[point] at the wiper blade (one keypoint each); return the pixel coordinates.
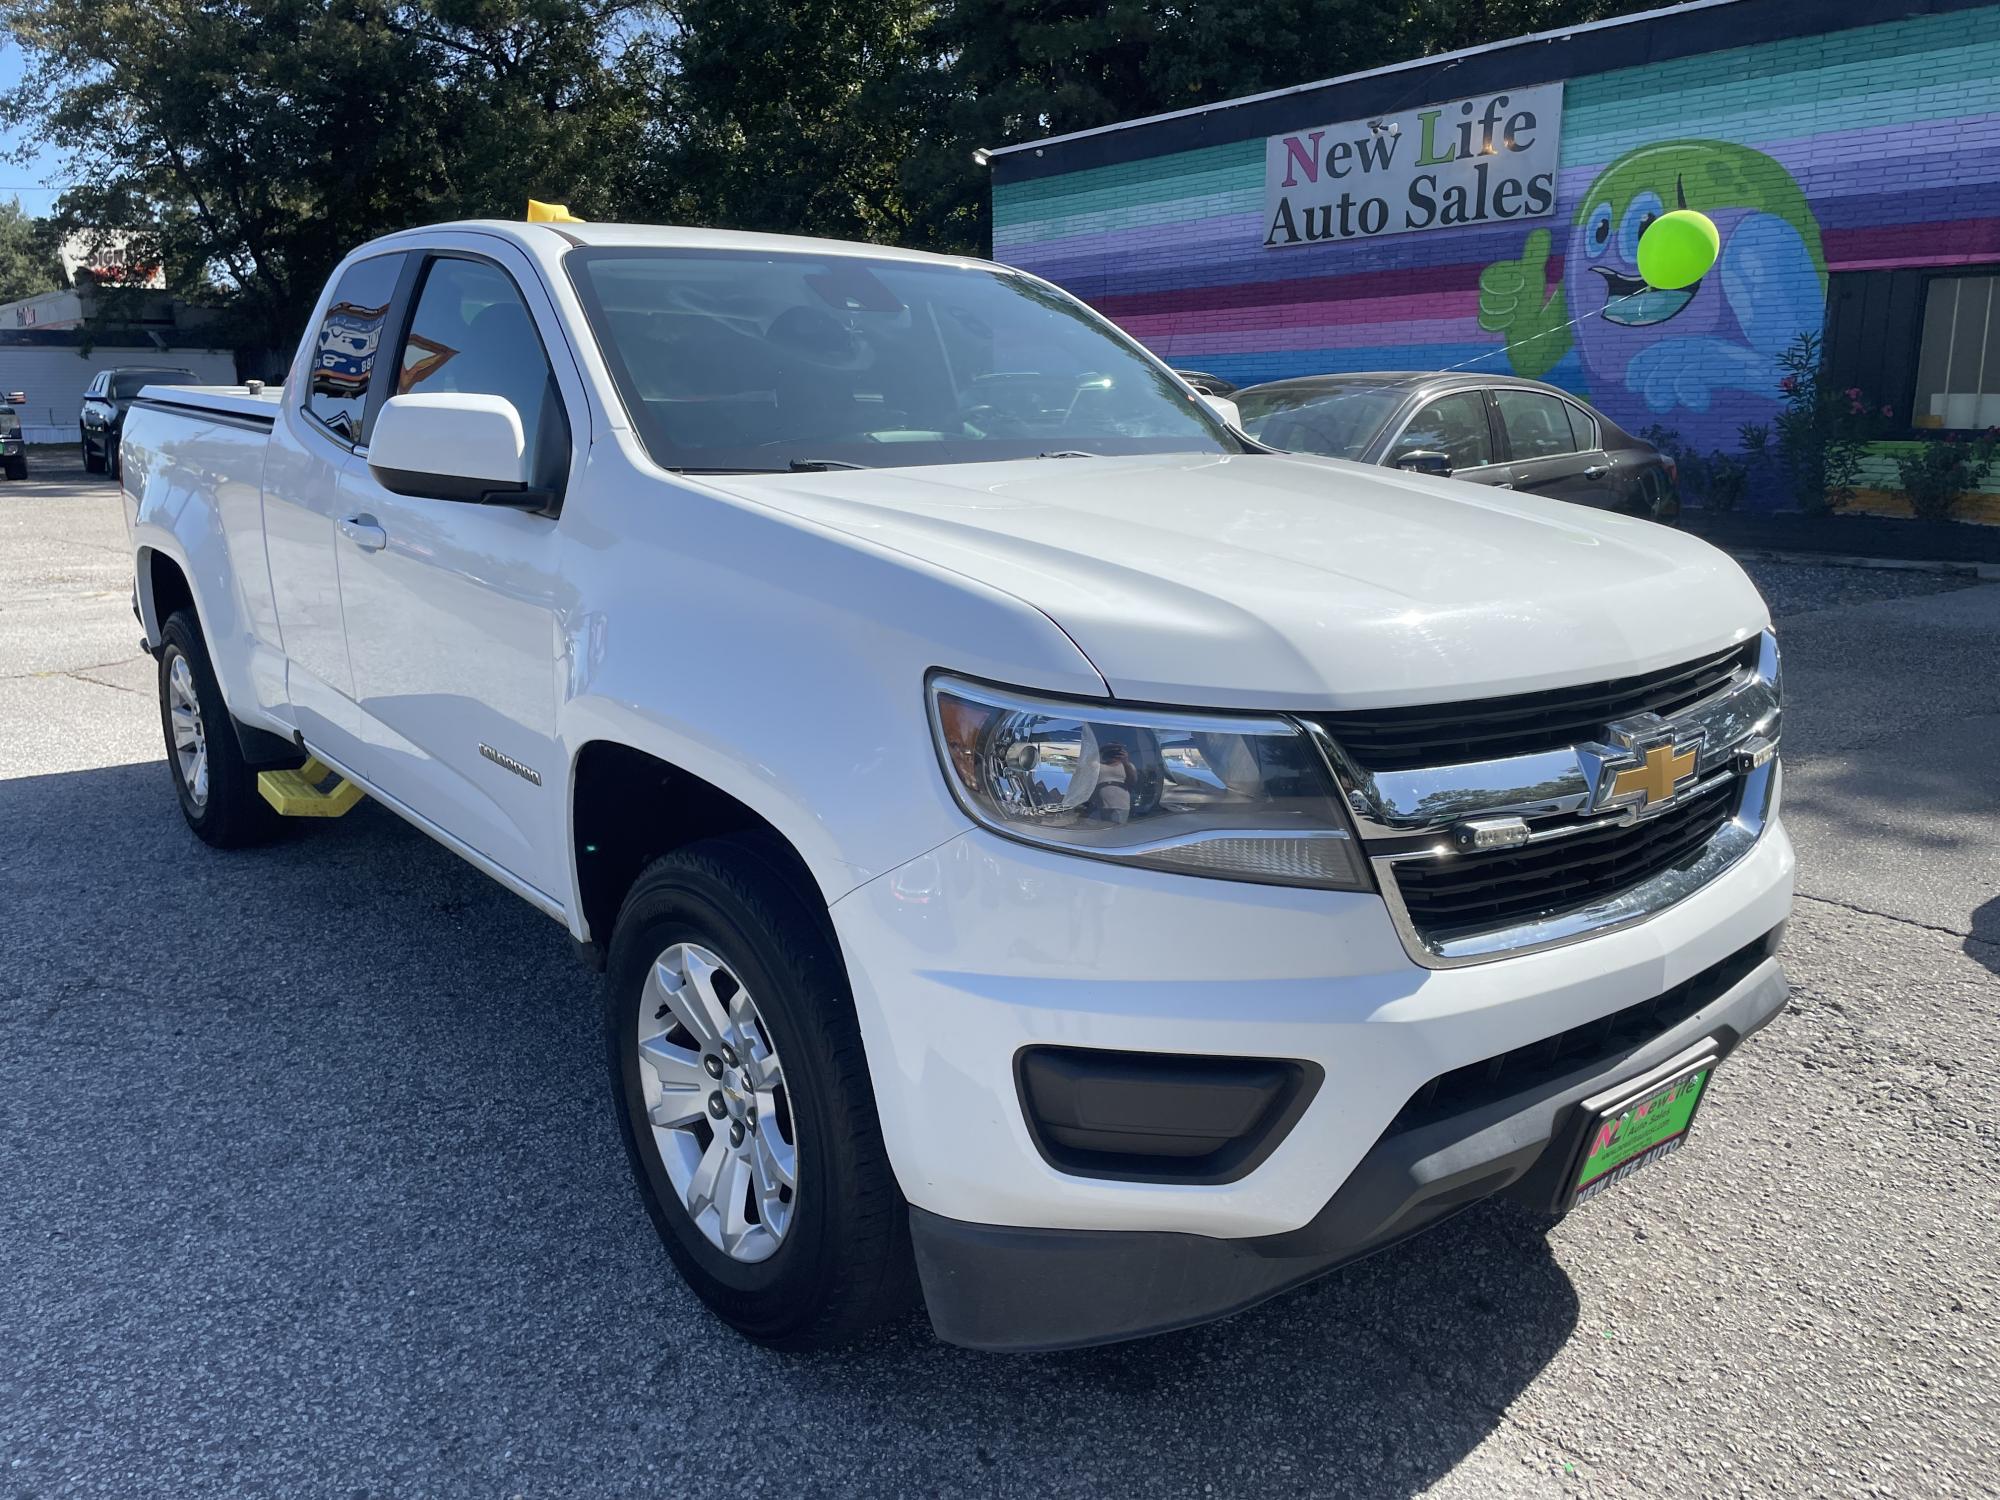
(820, 465)
(1069, 453)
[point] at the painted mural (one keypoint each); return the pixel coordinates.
(1652, 355)
(1866, 149)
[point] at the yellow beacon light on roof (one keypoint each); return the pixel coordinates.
(550, 213)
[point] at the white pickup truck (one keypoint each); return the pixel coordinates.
(1044, 850)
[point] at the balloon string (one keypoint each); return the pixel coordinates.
(1509, 346)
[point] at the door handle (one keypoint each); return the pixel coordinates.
(364, 533)
(1597, 471)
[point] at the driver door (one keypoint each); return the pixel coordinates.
(456, 610)
(1456, 426)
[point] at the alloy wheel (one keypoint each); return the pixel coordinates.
(715, 1096)
(190, 735)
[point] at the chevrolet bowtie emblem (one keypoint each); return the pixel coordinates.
(1657, 777)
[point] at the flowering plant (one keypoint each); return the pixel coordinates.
(1822, 432)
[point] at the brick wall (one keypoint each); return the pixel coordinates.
(1867, 148)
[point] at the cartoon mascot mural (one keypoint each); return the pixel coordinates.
(1650, 354)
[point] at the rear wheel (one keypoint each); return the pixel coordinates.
(217, 791)
(744, 1100)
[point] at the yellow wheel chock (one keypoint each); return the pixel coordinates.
(299, 794)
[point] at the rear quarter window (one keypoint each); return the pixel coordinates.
(346, 344)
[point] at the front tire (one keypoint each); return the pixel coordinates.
(92, 464)
(17, 466)
(217, 791)
(744, 1100)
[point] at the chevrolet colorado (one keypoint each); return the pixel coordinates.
(1044, 851)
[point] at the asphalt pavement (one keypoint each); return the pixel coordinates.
(309, 1186)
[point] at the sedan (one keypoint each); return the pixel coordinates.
(1484, 429)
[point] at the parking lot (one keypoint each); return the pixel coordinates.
(309, 1185)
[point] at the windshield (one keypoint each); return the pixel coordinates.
(1338, 421)
(741, 360)
(128, 383)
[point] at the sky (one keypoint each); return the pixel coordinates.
(23, 180)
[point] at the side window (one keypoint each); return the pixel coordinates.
(1537, 425)
(1453, 425)
(473, 335)
(1584, 426)
(344, 350)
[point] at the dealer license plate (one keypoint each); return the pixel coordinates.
(1644, 1127)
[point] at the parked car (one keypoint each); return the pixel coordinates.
(1038, 843)
(105, 402)
(13, 447)
(1484, 429)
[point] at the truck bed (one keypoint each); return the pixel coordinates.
(217, 400)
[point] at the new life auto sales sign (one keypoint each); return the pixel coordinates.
(1472, 161)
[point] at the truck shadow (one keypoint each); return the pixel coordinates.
(329, 1116)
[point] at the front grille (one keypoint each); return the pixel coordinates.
(1594, 1044)
(1448, 734)
(1462, 893)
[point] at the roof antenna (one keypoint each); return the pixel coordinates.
(1680, 192)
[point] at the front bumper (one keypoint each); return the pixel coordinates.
(996, 1287)
(968, 955)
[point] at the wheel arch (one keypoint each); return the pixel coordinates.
(629, 806)
(164, 586)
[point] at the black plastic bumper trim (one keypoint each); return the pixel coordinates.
(998, 1287)
(1159, 1116)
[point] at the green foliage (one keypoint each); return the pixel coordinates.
(790, 118)
(28, 261)
(1822, 432)
(246, 147)
(1939, 472)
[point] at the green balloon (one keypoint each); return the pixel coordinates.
(1678, 248)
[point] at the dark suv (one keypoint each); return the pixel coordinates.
(106, 402)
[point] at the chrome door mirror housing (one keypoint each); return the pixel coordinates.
(1425, 461)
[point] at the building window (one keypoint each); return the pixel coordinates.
(1958, 364)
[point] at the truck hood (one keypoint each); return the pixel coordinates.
(1267, 581)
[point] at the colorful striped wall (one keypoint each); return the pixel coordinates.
(1891, 132)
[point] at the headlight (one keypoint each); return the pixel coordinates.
(1202, 794)
(10, 424)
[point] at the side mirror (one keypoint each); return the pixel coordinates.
(1425, 461)
(1224, 408)
(454, 447)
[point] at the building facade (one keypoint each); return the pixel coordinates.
(51, 370)
(1481, 210)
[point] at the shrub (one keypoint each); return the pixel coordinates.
(1937, 473)
(1822, 432)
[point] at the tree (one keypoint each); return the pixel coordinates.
(28, 260)
(246, 148)
(788, 117)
